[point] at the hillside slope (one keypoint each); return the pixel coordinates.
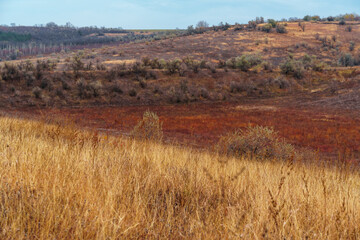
(60, 182)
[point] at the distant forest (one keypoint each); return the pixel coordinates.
(18, 41)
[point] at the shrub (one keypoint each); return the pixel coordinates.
(252, 25)
(203, 64)
(281, 83)
(65, 85)
(45, 65)
(211, 67)
(149, 128)
(352, 46)
(318, 66)
(307, 18)
(281, 29)
(152, 75)
(77, 64)
(342, 22)
(59, 92)
(244, 63)
(138, 68)
(307, 61)
(10, 72)
(146, 61)
(221, 64)
(142, 83)
(272, 22)
(157, 64)
(115, 88)
(46, 83)
(132, 93)
(346, 60)
(36, 92)
(196, 67)
(29, 79)
(266, 28)
(258, 142)
(101, 67)
(89, 90)
(26, 66)
(290, 66)
(268, 66)
(204, 93)
(173, 66)
(243, 86)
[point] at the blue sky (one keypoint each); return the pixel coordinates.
(157, 14)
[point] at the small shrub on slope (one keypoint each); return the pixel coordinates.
(149, 128)
(291, 66)
(259, 142)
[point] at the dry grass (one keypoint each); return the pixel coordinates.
(59, 182)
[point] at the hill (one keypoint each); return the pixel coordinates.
(59, 181)
(241, 74)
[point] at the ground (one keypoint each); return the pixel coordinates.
(309, 114)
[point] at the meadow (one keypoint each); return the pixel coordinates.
(256, 134)
(66, 183)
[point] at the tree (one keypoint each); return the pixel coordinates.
(259, 20)
(272, 22)
(315, 18)
(307, 18)
(51, 24)
(190, 29)
(202, 24)
(69, 25)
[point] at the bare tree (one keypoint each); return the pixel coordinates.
(202, 24)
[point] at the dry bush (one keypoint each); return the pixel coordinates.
(241, 86)
(36, 91)
(268, 66)
(139, 69)
(266, 28)
(149, 128)
(244, 63)
(291, 66)
(132, 92)
(259, 142)
(115, 88)
(88, 90)
(10, 72)
(346, 60)
(60, 182)
(173, 66)
(313, 63)
(281, 28)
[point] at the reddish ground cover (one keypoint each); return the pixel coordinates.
(202, 124)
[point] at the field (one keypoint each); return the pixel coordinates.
(60, 182)
(75, 163)
(333, 133)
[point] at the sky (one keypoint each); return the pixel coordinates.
(163, 14)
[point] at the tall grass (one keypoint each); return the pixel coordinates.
(61, 183)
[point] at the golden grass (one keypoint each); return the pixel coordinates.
(130, 61)
(62, 183)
